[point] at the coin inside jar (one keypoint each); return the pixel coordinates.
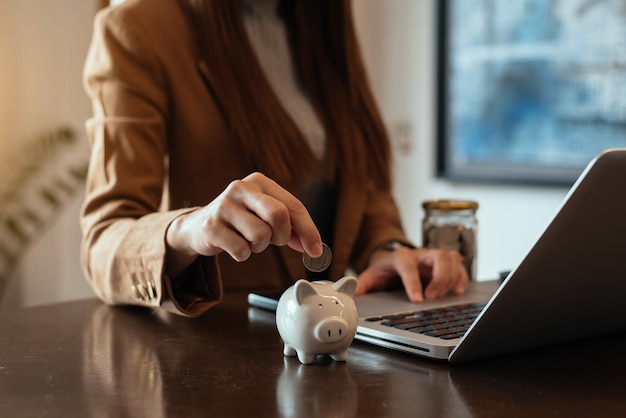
(320, 263)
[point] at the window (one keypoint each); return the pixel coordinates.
(529, 90)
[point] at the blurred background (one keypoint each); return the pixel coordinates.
(42, 49)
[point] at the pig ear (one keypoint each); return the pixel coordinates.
(303, 289)
(345, 285)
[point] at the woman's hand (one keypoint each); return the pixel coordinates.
(423, 272)
(248, 216)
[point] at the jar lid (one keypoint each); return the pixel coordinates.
(450, 205)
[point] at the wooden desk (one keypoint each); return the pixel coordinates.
(84, 359)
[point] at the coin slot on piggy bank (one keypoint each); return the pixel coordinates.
(318, 317)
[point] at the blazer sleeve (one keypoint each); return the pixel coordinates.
(123, 251)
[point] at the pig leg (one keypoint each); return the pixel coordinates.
(289, 350)
(306, 358)
(340, 356)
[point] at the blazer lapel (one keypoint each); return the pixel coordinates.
(350, 209)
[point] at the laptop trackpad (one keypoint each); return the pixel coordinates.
(397, 301)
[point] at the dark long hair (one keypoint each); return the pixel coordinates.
(326, 55)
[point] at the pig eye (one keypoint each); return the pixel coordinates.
(336, 302)
(320, 305)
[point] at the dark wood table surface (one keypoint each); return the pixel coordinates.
(85, 359)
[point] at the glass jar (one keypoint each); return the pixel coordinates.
(451, 225)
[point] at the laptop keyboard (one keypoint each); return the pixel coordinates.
(446, 323)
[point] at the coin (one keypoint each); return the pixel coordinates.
(320, 263)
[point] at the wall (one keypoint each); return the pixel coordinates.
(42, 48)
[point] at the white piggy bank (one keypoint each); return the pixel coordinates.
(318, 318)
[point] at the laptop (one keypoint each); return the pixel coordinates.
(570, 286)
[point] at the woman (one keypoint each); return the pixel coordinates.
(192, 101)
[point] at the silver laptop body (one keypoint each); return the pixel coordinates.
(571, 285)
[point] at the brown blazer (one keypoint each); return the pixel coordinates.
(160, 148)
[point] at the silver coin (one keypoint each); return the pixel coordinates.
(320, 263)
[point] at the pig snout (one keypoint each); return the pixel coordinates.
(331, 330)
